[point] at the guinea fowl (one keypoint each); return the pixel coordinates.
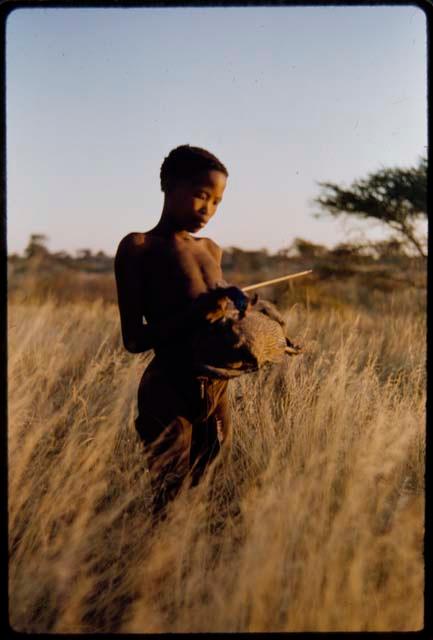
(237, 341)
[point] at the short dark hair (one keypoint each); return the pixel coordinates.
(186, 162)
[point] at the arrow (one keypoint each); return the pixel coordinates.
(250, 287)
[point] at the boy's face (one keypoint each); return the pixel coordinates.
(192, 204)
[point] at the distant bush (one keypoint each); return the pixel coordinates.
(90, 276)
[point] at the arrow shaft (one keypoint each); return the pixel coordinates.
(292, 276)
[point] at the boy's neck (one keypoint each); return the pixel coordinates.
(166, 227)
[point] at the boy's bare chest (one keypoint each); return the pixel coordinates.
(184, 269)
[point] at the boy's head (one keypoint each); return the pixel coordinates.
(186, 163)
(193, 181)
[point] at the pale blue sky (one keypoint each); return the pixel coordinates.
(284, 96)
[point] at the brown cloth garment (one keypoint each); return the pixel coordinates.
(184, 420)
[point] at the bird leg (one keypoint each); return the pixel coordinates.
(292, 349)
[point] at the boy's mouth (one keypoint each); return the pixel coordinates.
(199, 223)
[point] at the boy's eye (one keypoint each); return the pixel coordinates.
(202, 195)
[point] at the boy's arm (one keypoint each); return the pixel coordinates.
(198, 313)
(137, 337)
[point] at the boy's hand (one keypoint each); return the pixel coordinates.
(238, 297)
(213, 304)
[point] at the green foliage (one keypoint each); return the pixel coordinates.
(396, 197)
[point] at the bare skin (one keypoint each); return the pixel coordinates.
(170, 278)
(160, 274)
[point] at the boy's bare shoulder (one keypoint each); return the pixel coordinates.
(133, 244)
(213, 247)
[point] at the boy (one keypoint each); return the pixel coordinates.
(171, 278)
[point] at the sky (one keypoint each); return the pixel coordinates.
(285, 97)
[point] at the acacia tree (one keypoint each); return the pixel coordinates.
(396, 197)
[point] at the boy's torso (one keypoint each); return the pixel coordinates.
(175, 272)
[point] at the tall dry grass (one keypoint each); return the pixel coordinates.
(316, 523)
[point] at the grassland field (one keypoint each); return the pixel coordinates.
(315, 524)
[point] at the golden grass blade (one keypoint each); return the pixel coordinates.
(315, 523)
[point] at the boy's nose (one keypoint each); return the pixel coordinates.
(206, 211)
